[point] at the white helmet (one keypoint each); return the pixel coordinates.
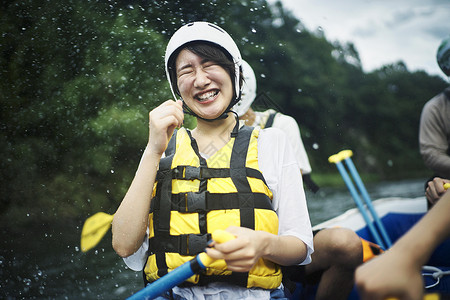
(248, 90)
(204, 31)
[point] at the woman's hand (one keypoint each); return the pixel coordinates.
(131, 218)
(242, 253)
(162, 122)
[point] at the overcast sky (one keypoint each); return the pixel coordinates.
(383, 31)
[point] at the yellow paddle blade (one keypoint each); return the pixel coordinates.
(94, 228)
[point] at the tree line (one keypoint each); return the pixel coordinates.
(78, 79)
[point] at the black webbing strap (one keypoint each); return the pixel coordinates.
(171, 147)
(237, 278)
(162, 224)
(192, 202)
(185, 244)
(239, 177)
(307, 180)
(205, 202)
(269, 121)
(202, 186)
(191, 173)
(161, 220)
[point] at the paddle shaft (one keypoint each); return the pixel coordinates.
(368, 201)
(359, 203)
(170, 280)
(181, 273)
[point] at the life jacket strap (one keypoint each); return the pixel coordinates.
(270, 120)
(185, 244)
(201, 173)
(205, 201)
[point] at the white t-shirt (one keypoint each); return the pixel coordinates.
(290, 127)
(282, 174)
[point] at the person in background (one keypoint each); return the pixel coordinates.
(272, 118)
(337, 251)
(397, 273)
(219, 175)
(434, 130)
(435, 189)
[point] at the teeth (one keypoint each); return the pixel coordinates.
(207, 95)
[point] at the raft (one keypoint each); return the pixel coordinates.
(397, 215)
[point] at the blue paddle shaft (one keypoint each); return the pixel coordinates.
(169, 280)
(368, 201)
(359, 203)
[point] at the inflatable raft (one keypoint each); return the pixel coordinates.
(397, 215)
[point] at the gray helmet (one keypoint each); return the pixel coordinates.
(443, 56)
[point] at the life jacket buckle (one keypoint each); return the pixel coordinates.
(196, 202)
(191, 173)
(197, 243)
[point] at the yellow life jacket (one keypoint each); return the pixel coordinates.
(194, 196)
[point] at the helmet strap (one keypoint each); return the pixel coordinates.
(235, 131)
(224, 115)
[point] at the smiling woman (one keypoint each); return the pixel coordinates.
(204, 85)
(213, 46)
(219, 176)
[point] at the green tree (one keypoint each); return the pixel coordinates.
(78, 79)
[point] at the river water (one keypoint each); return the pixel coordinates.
(47, 263)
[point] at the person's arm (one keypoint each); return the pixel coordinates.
(397, 272)
(131, 218)
(433, 136)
